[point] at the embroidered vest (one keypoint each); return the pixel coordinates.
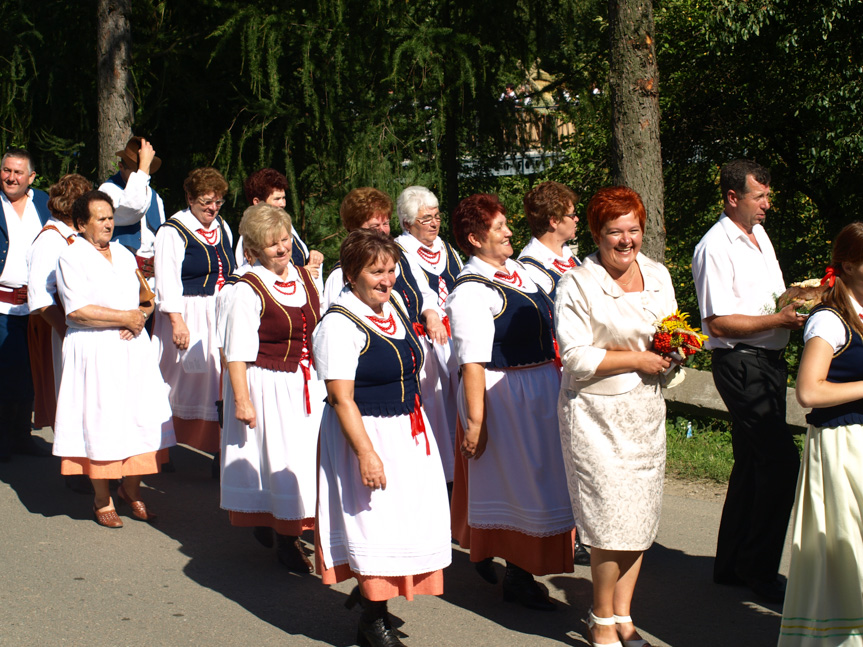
(523, 329)
(200, 268)
(387, 378)
(284, 330)
(450, 272)
(130, 235)
(554, 276)
(847, 366)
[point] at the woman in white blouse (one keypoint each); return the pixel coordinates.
(509, 495)
(382, 516)
(823, 602)
(612, 413)
(48, 321)
(273, 399)
(438, 264)
(193, 258)
(113, 417)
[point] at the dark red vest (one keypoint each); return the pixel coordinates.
(285, 330)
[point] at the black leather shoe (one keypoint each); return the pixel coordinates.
(580, 557)
(292, 556)
(376, 633)
(519, 586)
(773, 592)
(486, 571)
(264, 535)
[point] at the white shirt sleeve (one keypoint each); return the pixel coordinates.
(42, 263)
(337, 343)
(574, 331)
(130, 204)
(73, 284)
(827, 326)
(168, 264)
(713, 275)
(429, 296)
(471, 308)
(332, 288)
(242, 321)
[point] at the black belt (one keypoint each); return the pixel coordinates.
(766, 353)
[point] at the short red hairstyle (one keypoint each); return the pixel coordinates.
(362, 204)
(473, 215)
(261, 184)
(610, 203)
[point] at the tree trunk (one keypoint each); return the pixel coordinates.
(113, 52)
(634, 80)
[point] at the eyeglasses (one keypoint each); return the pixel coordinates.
(570, 215)
(427, 220)
(211, 203)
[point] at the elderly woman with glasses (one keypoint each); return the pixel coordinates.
(193, 258)
(420, 219)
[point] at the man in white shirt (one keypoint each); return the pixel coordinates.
(24, 213)
(138, 209)
(737, 278)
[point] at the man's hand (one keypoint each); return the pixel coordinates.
(789, 317)
(145, 156)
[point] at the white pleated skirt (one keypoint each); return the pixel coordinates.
(439, 384)
(519, 483)
(824, 599)
(272, 468)
(403, 530)
(112, 402)
(193, 395)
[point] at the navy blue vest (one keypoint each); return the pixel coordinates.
(387, 378)
(407, 286)
(847, 366)
(130, 235)
(450, 273)
(200, 268)
(554, 276)
(40, 201)
(523, 329)
(298, 255)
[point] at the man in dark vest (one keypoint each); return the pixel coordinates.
(138, 209)
(24, 213)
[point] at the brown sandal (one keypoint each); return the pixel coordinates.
(139, 510)
(109, 518)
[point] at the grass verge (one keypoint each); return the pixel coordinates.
(703, 454)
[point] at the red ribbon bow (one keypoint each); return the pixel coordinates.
(829, 276)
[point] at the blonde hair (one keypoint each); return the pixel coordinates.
(261, 224)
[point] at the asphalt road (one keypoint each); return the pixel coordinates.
(192, 579)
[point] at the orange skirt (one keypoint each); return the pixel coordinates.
(536, 555)
(39, 333)
(288, 527)
(378, 588)
(137, 465)
(200, 434)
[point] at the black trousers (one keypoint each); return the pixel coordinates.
(763, 480)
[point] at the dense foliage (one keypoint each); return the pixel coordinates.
(340, 94)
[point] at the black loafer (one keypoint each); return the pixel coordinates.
(773, 592)
(486, 571)
(519, 586)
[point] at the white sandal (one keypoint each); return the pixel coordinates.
(593, 620)
(638, 642)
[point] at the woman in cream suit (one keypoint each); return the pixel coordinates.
(612, 414)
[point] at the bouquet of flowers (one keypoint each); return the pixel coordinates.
(674, 336)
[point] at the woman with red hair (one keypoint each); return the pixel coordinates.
(509, 493)
(611, 409)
